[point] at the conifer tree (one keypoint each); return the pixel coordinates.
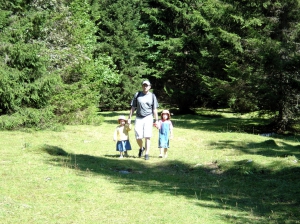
(120, 37)
(268, 67)
(181, 48)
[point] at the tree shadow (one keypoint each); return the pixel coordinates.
(210, 122)
(111, 117)
(248, 187)
(218, 123)
(270, 148)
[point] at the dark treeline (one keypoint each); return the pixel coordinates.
(63, 60)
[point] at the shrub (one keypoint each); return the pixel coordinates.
(28, 118)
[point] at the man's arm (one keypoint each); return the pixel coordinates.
(155, 116)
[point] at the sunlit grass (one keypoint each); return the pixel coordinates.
(215, 173)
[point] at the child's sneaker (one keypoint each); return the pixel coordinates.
(146, 157)
(160, 156)
(121, 157)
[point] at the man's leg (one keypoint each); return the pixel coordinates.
(139, 134)
(147, 145)
(140, 143)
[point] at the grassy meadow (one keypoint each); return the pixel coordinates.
(215, 173)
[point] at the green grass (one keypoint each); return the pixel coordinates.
(215, 173)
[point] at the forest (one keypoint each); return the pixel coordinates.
(63, 61)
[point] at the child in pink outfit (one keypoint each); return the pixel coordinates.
(165, 127)
(121, 136)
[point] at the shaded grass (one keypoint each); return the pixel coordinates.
(214, 174)
(265, 191)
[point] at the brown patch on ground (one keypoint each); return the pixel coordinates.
(213, 168)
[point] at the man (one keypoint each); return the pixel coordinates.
(145, 104)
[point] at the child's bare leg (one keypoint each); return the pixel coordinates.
(161, 150)
(166, 152)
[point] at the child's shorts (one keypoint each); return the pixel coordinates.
(123, 146)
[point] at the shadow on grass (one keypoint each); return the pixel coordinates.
(256, 193)
(270, 148)
(218, 123)
(214, 122)
(111, 116)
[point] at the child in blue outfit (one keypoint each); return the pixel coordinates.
(121, 137)
(165, 127)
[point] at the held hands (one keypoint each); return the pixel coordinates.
(129, 121)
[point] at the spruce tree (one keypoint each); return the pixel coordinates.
(181, 48)
(270, 36)
(121, 37)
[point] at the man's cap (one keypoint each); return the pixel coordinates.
(146, 82)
